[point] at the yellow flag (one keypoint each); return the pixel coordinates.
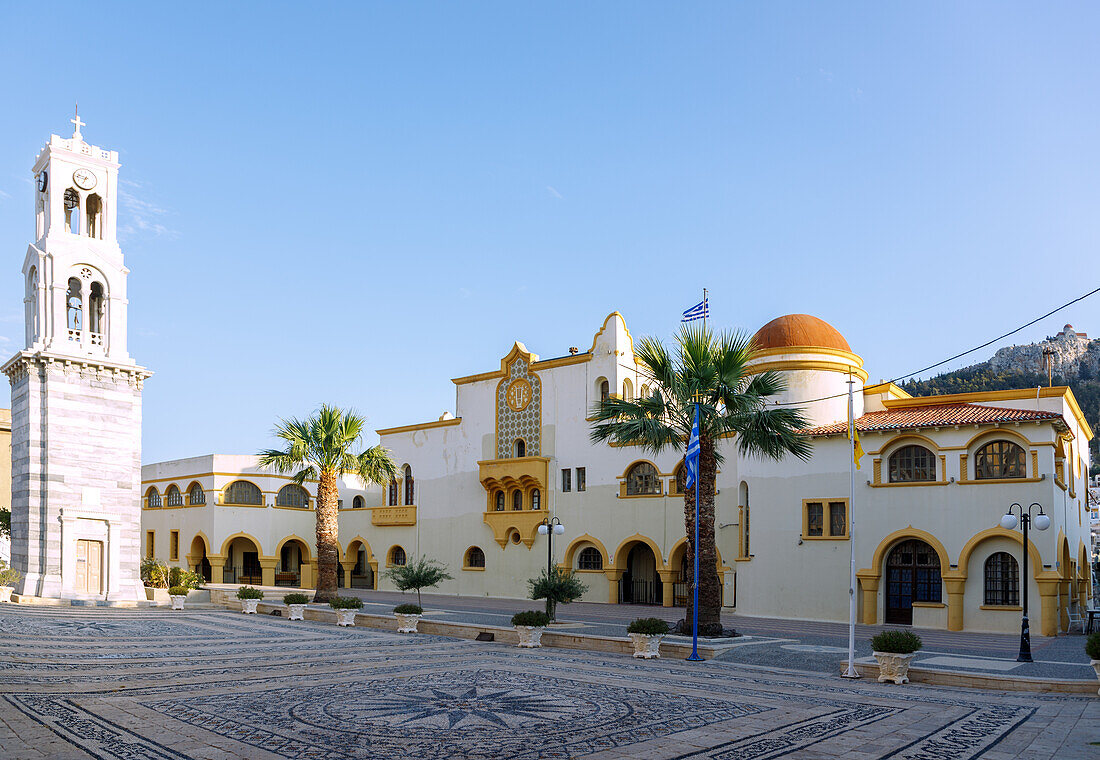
(858, 448)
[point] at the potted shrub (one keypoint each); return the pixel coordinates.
(9, 576)
(296, 603)
(1092, 649)
(346, 607)
(178, 595)
(423, 573)
(408, 615)
(894, 650)
(250, 597)
(154, 574)
(557, 587)
(647, 633)
(530, 625)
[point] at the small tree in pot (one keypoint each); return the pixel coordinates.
(296, 605)
(530, 625)
(250, 598)
(408, 615)
(9, 576)
(424, 573)
(647, 633)
(894, 650)
(556, 587)
(346, 607)
(1092, 649)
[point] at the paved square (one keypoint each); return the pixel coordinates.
(106, 683)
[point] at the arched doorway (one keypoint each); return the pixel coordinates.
(199, 560)
(292, 555)
(242, 563)
(362, 575)
(640, 583)
(912, 575)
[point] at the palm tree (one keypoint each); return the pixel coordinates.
(320, 448)
(732, 403)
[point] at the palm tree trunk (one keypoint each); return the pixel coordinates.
(710, 589)
(328, 539)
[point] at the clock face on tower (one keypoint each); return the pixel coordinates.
(43, 181)
(84, 179)
(518, 395)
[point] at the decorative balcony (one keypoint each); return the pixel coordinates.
(391, 516)
(523, 474)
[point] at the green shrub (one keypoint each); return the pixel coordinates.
(896, 642)
(648, 626)
(345, 603)
(247, 592)
(424, 573)
(295, 599)
(408, 609)
(557, 587)
(178, 591)
(177, 576)
(9, 576)
(154, 573)
(1092, 646)
(532, 618)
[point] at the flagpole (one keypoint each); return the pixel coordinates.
(705, 309)
(851, 672)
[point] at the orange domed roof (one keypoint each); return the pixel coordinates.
(799, 330)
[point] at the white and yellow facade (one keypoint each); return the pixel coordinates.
(476, 484)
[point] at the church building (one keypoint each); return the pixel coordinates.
(75, 390)
(476, 484)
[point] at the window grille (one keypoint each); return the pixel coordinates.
(912, 464)
(475, 557)
(643, 479)
(590, 559)
(196, 495)
(243, 492)
(999, 459)
(1002, 580)
(173, 497)
(292, 495)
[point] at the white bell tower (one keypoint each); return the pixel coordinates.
(76, 393)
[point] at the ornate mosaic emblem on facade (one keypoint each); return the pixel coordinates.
(519, 411)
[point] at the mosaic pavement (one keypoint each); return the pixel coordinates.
(126, 684)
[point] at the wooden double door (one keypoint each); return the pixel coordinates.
(912, 575)
(89, 567)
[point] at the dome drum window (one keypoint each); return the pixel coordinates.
(912, 464)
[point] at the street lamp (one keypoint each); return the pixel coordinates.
(550, 527)
(1008, 522)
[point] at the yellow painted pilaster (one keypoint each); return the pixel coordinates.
(306, 573)
(613, 578)
(267, 570)
(1063, 604)
(348, 567)
(869, 584)
(667, 578)
(1048, 621)
(217, 562)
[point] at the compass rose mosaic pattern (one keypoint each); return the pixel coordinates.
(126, 684)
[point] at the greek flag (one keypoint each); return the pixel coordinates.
(699, 311)
(691, 459)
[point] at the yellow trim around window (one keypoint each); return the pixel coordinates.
(826, 519)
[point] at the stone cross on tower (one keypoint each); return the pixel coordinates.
(78, 123)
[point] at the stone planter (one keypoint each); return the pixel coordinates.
(5, 594)
(297, 611)
(893, 667)
(1096, 666)
(647, 645)
(406, 623)
(156, 594)
(530, 636)
(346, 617)
(248, 606)
(177, 601)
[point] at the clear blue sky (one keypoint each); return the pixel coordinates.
(356, 203)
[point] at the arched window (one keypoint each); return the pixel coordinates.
(499, 499)
(1002, 580)
(536, 499)
(292, 495)
(605, 390)
(358, 503)
(72, 211)
(410, 490)
(173, 497)
(644, 392)
(679, 474)
(520, 448)
(590, 559)
(397, 556)
(32, 305)
(152, 497)
(999, 459)
(642, 479)
(95, 209)
(243, 492)
(517, 501)
(911, 464)
(74, 302)
(391, 496)
(474, 557)
(628, 389)
(195, 495)
(97, 323)
(743, 502)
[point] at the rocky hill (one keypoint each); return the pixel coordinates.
(1075, 361)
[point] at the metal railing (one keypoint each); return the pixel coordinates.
(639, 592)
(249, 576)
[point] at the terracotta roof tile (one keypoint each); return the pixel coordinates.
(934, 416)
